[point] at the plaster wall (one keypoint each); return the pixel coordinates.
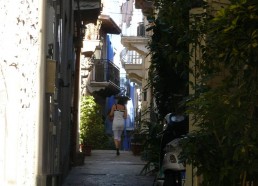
(21, 86)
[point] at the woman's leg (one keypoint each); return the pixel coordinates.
(117, 140)
(116, 143)
(117, 147)
(119, 144)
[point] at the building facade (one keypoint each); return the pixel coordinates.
(135, 57)
(103, 75)
(37, 80)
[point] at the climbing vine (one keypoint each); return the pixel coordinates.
(223, 106)
(169, 49)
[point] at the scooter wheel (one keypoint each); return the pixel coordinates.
(172, 178)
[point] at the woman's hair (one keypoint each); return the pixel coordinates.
(121, 101)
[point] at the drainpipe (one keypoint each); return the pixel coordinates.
(41, 116)
(75, 122)
(76, 105)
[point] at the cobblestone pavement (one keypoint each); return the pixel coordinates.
(105, 168)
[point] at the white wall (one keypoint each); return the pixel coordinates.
(19, 91)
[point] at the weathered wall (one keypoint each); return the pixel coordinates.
(19, 90)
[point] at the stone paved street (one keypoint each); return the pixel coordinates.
(104, 168)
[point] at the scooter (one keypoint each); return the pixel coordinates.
(171, 170)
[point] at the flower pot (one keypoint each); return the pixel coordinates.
(136, 148)
(86, 149)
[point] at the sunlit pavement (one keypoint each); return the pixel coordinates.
(105, 168)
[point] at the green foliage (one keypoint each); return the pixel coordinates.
(151, 147)
(224, 147)
(151, 144)
(92, 131)
(169, 49)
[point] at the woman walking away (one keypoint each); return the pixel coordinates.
(119, 113)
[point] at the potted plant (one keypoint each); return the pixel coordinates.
(86, 148)
(137, 142)
(91, 125)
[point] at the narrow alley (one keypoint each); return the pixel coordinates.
(105, 168)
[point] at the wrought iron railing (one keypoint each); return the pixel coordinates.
(106, 71)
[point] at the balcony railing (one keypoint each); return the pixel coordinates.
(131, 57)
(106, 71)
(139, 31)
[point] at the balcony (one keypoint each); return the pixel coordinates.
(88, 10)
(134, 72)
(137, 43)
(89, 46)
(105, 78)
(108, 25)
(145, 5)
(133, 65)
